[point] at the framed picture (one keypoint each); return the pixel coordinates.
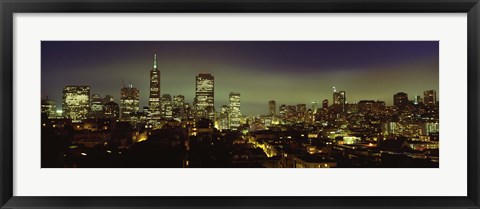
(240, 104)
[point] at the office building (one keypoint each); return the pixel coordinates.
(234, 110)
(222, 119)
(97, 106)
(179, 107)
(339, 101)
(129, 102)
(430, 97)
(204, 96)
(49, 107)
(76, 102)
(282, 111)
(301, 112)
(400, 100)
(272, 107)
(167, 106)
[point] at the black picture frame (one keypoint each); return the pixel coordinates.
(9, 7)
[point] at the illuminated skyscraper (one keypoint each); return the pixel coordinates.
(49, 107)
(179, 107)
(97, 106)
(129, 102)
(339, 100)
(272, 107)
(154, 99)
(282, 111)
(234, 110)
(76, 102)
(204, 96)
(301, 112)
(178, 101)
(223, 117)
(400, 100)
(291, 114)
(430, 97)
(189, 113)
(167, 106)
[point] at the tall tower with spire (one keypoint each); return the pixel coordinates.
(154, 99)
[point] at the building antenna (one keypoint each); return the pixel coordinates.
(155, 61)
(123, 82)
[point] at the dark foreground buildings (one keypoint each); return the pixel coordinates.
(365, 134)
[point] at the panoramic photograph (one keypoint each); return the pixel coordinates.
(240, 104)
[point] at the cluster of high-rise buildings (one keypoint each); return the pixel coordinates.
(79, 104)
(423, 109)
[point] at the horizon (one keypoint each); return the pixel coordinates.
(282, 74)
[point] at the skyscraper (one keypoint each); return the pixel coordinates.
(204, 96)
(154, 99)
(49, 107)
(282, 111)
(76, 102)
(178, 101)
(234, 110)
(301, 112)
(189, 113)
(272, 107)
(222, 119)
(339, 100)
(430, 97)
(179, 107)
(167, 106)
(400, 100)
(97, 106)
(129, 102)
(291, 114)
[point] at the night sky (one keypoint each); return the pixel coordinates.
(290, 72)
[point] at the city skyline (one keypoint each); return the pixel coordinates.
(278, 83)
(255, 104)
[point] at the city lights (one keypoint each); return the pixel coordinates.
(198, 119)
